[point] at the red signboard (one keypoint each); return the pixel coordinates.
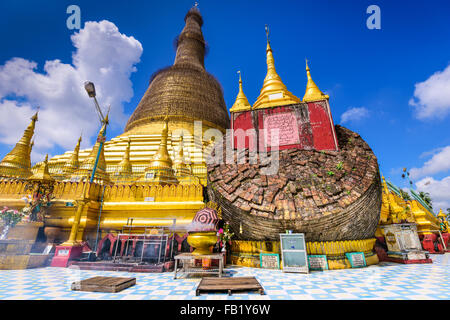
(302, 126)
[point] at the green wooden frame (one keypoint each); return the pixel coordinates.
(318, 256)
(268, 254)
(349, 257)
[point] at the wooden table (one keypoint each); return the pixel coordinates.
(229, 285)
(189, 257)
(104, 284)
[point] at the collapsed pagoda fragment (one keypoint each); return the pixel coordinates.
(293, 169)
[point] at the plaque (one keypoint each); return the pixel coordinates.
(357, 259)
(286, 124)
(269, 260)
(150, 199)
(318, 262)
(293, 252)
(149, 175)
(275, 96)
(401, 237)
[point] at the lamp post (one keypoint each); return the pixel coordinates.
(90, 89)
(71, 248)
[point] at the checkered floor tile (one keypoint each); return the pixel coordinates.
(386, 281)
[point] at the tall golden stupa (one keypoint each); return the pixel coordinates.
(184, 92)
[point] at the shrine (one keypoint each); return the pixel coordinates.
(149, 195)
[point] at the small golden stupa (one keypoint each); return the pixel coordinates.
(87, 166)
(160, 168)
(241, 103)
(312, 92)
(42, 174)
(274, 92)
(72, 164)
(17, 162)
(124, 171)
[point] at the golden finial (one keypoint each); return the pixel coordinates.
(34, 118)
(312, 92)
(241, 103)
(274, 92)
(105, 121)
(42, 173)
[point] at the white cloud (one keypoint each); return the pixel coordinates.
(439, 191)
(354, 114)
(432, 97)
(439, 162)
(103, 55)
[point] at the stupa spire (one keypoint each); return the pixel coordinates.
(312, 92)
(17, 162)
(179, 164)
(190, 42)
(42, 173)
(87, 166)
(273, 92)
(72, 164)
(160, 168)
(124, 167)
(241, 103)
(162, 158)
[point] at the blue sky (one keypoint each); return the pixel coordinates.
(374, 72)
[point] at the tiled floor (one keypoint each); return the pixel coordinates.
(383, 281)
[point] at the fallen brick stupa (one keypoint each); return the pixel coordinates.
(328, 195)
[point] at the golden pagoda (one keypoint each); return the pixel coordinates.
(185, 92)
(87, 166)
(17, 163)
(72, 164)
(146, 187)
(183, 170)
(241, 103)
(42, 173)
(312, 92)
(160, 168)
(274, 92)
(395, 209)
(124, 171)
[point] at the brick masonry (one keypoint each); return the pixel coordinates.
(328, 195)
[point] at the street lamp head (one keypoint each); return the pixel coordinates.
(90, 88)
